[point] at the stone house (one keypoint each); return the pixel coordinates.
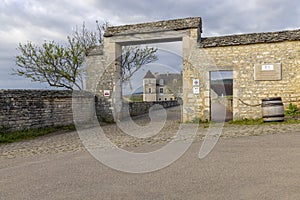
(162, 87)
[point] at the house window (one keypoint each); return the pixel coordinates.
(166, 99)
(159, 99)
(161, 90)
(150, 91)
(171, 99)
(161, 82)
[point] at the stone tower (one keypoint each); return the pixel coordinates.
(149, 87)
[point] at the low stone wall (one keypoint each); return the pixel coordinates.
(103, 109)
(105, 113)
(28, 109)
(139, 108)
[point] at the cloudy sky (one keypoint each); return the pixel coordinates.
(36, 21)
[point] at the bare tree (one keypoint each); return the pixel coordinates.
(134, 57)
(58, 65)
(63, 65)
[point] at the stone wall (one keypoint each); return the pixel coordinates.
(30, 109)
(27, 109)
(105, 113)
(240, 54)
(139, 108)
(100, 77)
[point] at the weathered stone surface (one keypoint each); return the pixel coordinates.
(169, 25)
(253, 38)
(24, 109)
(139, 108)
(241, 59)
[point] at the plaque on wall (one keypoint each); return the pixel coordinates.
(267, 72)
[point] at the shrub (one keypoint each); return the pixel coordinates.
(292, 110)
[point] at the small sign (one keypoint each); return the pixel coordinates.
(196, 90)
(267, 72)
(107, 93)
(267, 67)
(196, 82)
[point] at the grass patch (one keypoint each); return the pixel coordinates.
(133, 98)
(261, 121)
(16, 136)
(136, 98)
(292, 110)
(291, 121)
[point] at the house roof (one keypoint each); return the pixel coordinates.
(149, 75)
(168, 78)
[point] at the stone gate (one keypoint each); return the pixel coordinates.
(263, 65)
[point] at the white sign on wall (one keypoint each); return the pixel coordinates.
(106, 93)
(196, 82)
(267, 67)
(196, 90)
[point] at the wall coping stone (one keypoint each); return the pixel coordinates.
(252, 38)
(159, 26)
(18, 93)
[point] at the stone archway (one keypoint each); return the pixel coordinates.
(107, 62)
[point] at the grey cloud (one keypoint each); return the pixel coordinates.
(39, 19)
(9, 81)
(34, 20)
(248, 16)
(219, 16)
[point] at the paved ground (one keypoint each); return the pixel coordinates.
(265, 165)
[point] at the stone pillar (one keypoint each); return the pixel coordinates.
(113, 52)
(95, 68)
(191, 102)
